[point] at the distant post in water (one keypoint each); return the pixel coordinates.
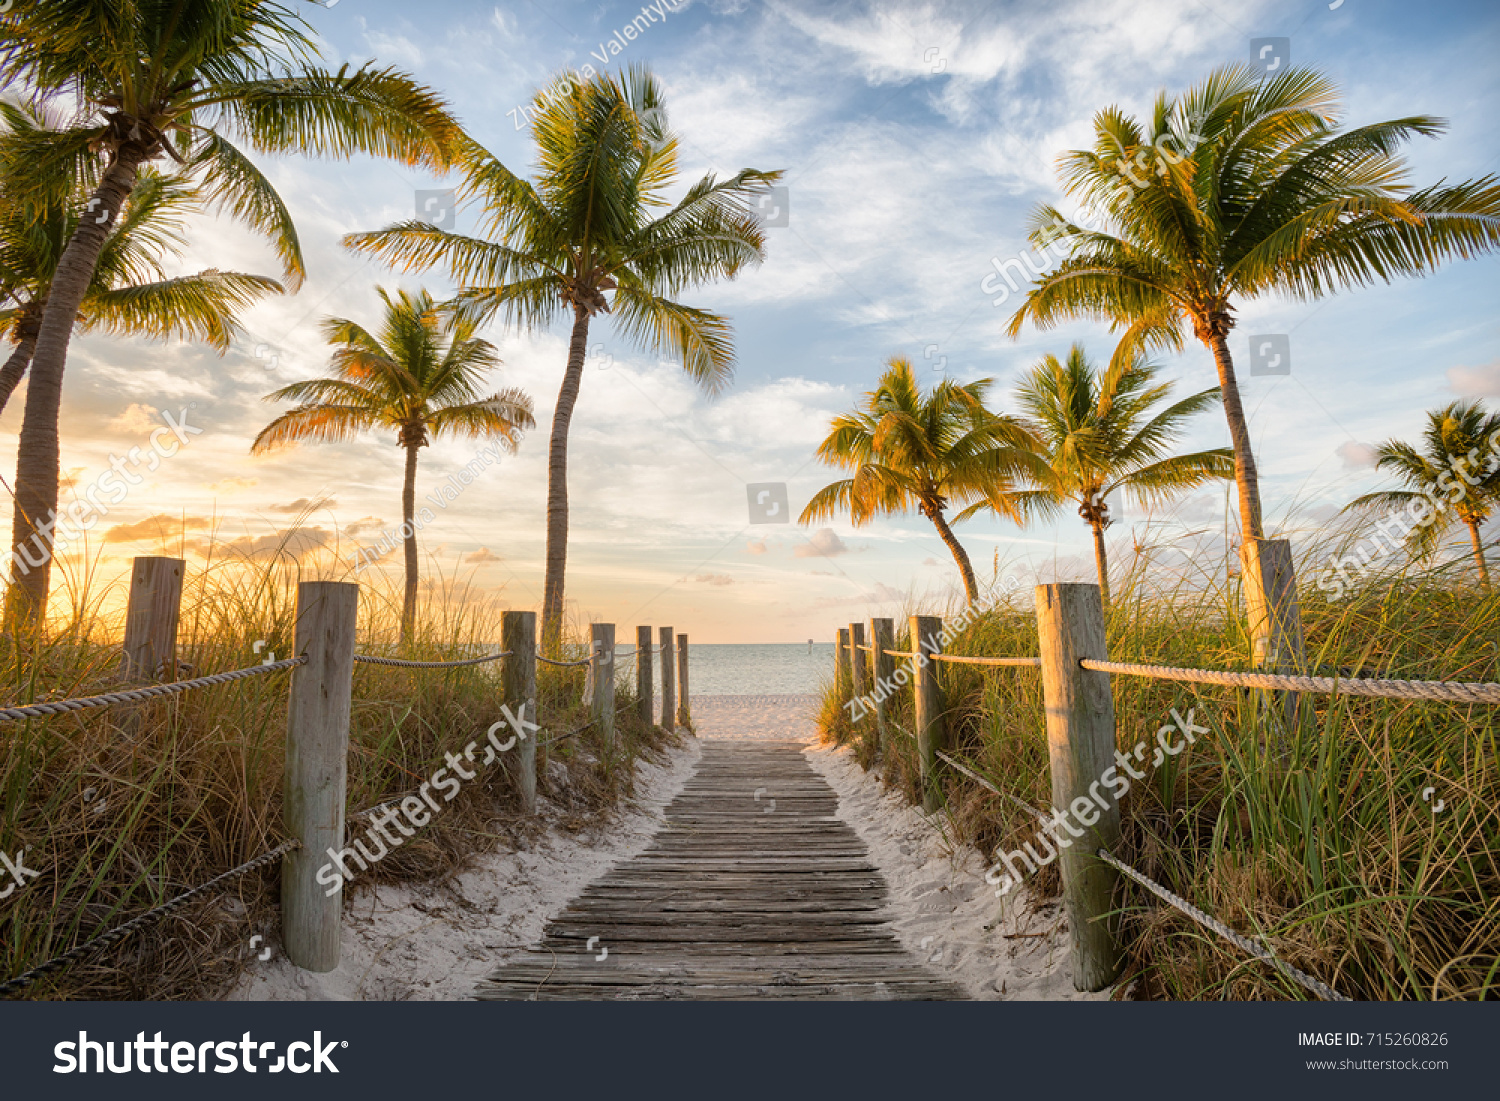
(926, 636)
(882, 638)
(643, 686)
(684, 713)
(151, 620)
(1081, 743)
(843, 676)
(668, 682)
(518, 686)
(602, 701)
(317, 754)
(1275, 618)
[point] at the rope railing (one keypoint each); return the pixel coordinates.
(982, 782)
(1204, 919)
(1442, 691)
(1321, 989)
(317, 737)
(962, 660)
(403, 663)
(564, 664)
(153, 691)
(120, 932)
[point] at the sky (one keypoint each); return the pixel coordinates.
(915, 139)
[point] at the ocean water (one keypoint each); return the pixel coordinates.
(750, 669)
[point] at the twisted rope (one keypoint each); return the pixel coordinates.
(120, 932)
(982, 782)
(404, 664)
(59, 707)
(1444, 691)
(1322, 990)
(564, 664)
(985, 661)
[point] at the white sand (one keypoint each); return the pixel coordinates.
(436, 942)
(781, 718)
(941, 908)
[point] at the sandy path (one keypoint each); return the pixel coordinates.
(429, 943)
(942, 909)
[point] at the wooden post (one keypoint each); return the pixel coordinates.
(518, 688)
(317, 754)
(1081, 743)
(151, 620)
(882, 638)
(1275, 617)
(843, 674)
(926, 637)
(643, 687)
(684, 713)
(668, 686)
(859, 682)
(602, 701)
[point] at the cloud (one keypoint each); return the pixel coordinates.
(756, 546)
(482, 557)
(1355, 454)
(931, 562)
(715, 579)
(71, 479)
(306, 504)
(1475, 382)
(297, 543)
(824, 543)
(363, 525)
(154, 527)
(136, 418)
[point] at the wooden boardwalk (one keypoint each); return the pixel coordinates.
(752, 889)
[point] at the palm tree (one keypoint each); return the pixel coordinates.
(1102, 432)
(178, 78)
(421, 377)
(130, 293)
(1458, 465)
(596, 219)
(1269, 197)
(926, 451)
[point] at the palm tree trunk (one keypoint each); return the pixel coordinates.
(1245, 476)
(15, 368)
(557, 485)
(37, 456)
(1101, 563)
(1484, 570)
(961, 556)
(409, 529)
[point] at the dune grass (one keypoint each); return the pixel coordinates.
(121, 809)
(1325, 840)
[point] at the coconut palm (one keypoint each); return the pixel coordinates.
(130, 293)
(1248, 188)
(925, 451)
(1457, 465)
(420, 376)
(1105, 431)
(595, 219)
(184, 79)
